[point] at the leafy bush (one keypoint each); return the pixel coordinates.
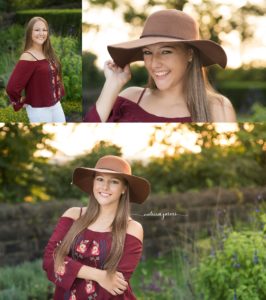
(7, 115)
(72, 110)
(23, 282)
(67, 48)
(236, 269)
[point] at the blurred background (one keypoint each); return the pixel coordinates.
(64, 19)
(204, 222)
(239, 26)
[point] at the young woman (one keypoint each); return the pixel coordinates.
(94, 250)
(178, 90)
(38, 72)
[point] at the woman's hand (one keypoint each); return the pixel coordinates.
(115, 283)
(118, 75)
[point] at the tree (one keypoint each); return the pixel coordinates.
(20, 169)
(59, 178)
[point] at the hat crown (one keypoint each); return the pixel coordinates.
(114, 163)
(171, 23)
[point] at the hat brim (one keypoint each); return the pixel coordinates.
(124, 53)
(139, 188)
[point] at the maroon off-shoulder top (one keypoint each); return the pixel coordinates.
(125, 110)
(91, 249)
(39, 79)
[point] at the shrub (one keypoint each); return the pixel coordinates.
(67, 48)
(26, 281)
(236, 269)
(7, 114)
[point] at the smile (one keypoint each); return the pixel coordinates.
(104, 194)
(161, 74)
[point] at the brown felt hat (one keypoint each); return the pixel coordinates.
(168, 26)
(139, 188)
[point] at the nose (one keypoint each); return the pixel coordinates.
(155, 61)
(105, 185)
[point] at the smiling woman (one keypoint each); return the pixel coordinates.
(95, 249)
(178, 89)
(38, 72)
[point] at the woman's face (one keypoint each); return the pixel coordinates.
(166, 63)
(39, 33)
(108, 188)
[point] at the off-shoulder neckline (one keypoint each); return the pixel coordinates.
(102, 232)
(39, 60)
(146, 112)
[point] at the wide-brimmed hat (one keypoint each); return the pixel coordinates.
(168, 25)
(139, 188)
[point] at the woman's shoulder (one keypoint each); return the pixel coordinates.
(135, 228)
(73, 213)
(27, 56)
(222, 109)
(132, 93)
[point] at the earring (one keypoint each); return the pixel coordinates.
(190, 60)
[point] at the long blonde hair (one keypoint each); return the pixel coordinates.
(119, 228)
(47, 48)
(197, 89)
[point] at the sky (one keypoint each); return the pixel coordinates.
(74, 139)
(112, 29)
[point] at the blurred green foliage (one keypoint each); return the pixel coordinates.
(61, 21)
(239, 164)
(21, 178)
(13, 5)
(23, 282)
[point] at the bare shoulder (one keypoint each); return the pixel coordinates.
(135, 228)
(132, 93)
(27, 56)
(222, 109)
(73, 213)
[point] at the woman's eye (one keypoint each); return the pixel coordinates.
(166, 51)
(115, 181)
(99, 178)
(146, 52)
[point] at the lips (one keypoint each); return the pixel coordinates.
(103, 194)
(160, 74)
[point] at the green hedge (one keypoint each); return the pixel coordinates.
(244, 94)
(61, 21)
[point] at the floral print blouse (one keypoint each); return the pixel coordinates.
(91, 248)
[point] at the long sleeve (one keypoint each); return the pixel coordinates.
(131, 256)
(92, 116)
(18, 81)
(67, 274)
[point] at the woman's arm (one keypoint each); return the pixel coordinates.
(116, 78)
(115, 283)
(132, 249)
(19, 79)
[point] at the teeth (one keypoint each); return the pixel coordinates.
(161, 73)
